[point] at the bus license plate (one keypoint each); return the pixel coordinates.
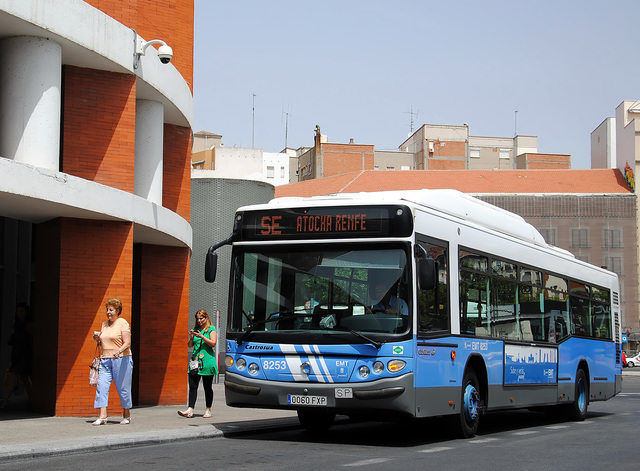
(297, 400)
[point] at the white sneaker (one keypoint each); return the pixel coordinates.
(99, 421)
(125, 421)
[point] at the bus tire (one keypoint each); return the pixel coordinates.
(466, 422)
(316, 420)
(578, 409)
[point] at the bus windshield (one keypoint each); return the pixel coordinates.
(307, 289)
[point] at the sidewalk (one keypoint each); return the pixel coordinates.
(28, 435)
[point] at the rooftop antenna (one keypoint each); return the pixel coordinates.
(515, 123)
(286, 129)
(253, 119)
(411, 115)
(285, 115)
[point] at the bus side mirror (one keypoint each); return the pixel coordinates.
(210, 267)
(426, 268)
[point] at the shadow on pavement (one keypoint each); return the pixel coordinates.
(409, 432)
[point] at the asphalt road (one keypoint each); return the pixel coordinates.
(519, 440)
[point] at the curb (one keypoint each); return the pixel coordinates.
(73, 446)
(115, 442)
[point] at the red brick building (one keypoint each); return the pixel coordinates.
(327, 159)
(102, 208)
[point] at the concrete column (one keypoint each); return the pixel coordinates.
(149, 149)
(30, 84)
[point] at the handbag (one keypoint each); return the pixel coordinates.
(194, 364)
(94, 367)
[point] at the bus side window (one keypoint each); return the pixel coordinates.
(433, 305)
(579, 295)
(600, 314)
(474, 294)
(556, 307)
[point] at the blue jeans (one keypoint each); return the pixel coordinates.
(119, 371)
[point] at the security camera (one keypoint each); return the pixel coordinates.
(165, 54)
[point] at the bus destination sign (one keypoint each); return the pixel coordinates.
(325, 222)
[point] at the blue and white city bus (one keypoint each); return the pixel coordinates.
(412, 303)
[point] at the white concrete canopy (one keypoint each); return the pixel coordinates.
(37, 195)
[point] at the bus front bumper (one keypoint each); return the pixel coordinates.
(389, 394)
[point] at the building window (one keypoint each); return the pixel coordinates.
(270, 171)
(376, 167)
(474, 153)
(549, 234)
(583, 257)
(613, 263)
(612, 238)
(505, 153)
(391, 168)
(281, 172)
(580, 238)
(405, 167)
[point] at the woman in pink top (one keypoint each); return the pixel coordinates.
(116, 363)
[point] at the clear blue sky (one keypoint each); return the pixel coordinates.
(356, 67)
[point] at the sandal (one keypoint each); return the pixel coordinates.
(188, 415)
(206, 415)
(125, 421)
(99, 421)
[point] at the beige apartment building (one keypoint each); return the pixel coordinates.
(203, 140)
(451, 147)
(393, 160)
(615, 143)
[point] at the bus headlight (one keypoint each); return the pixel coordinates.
(241, 363)
(253, 369)
(228, 361)
(378, 367)
(396, 365)
(364, 371)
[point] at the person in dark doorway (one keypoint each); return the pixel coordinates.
(384, 299)
(19, 371)
(202, 338)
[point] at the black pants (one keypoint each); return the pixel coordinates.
(207, 382)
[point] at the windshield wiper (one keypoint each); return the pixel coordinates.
(361, 335)
(273, 317)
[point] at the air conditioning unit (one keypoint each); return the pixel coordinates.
(430, 147)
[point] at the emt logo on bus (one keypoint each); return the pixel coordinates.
(323, 222)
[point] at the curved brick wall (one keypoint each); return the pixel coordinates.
(169, 20)
(81, 263)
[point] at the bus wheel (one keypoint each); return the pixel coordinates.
(578, 410)
(316, 420)
(466, 422)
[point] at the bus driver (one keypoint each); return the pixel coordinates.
(383, 299)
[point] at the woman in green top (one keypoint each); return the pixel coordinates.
(202, 338)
